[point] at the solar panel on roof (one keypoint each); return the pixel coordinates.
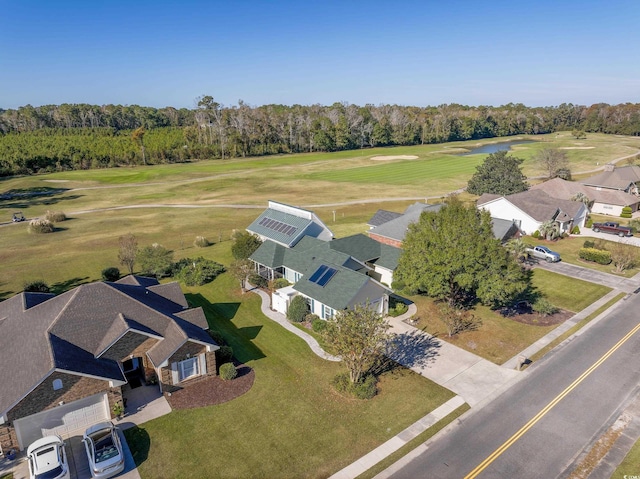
(277, 226)
(326, 277)
(319, 272)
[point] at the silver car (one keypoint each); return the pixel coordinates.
(47, 459)
(104, 450)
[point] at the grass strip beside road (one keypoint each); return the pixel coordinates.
(540, 354)
(415, 442)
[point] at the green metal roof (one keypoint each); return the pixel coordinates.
(278, 226)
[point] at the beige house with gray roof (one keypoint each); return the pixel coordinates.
(65, 358)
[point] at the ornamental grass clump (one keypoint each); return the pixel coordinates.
(201, 242)
(55, 216)
(40, 226)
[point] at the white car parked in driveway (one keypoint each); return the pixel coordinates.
(47, 459)
(104, 450)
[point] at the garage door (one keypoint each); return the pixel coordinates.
(67, 420)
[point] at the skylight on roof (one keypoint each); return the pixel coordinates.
(277, 226)
(323, 275)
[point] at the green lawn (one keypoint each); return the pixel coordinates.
(291, 423)
(500, 338)
(630, 466)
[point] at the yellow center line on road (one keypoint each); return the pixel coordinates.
(484, 464)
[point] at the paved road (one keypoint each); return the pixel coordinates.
(544, 422)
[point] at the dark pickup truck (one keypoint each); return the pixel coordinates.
(613, 228)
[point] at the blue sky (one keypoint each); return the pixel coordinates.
(166, 53)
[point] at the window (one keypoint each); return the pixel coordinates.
(188, 368)
(57, 384)
(327, 313)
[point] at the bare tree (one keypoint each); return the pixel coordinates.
(240, 269)
(128, 251)
(457, 320)
(623, 255)
(553, 162)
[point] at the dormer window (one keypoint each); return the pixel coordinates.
(57, 384)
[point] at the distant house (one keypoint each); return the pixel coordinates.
(624, 178)
(65, 358)
(608, 201)
(529, 209)
(286, 225)
(390, 228)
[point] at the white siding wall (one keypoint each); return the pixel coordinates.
(606, 209)
(504, 210)
(386, 276)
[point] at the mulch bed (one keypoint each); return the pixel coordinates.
(535, 319)
(212, 390)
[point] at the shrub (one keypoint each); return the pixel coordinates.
(217, 337)
(596, 255)
(398, 309)
(589, 223)
(626, 212)
(111, 274)
(280, 283)
(40, 226)
(228, 371)
(225, 354)
(258, 281)
(543, 307)
(201, 242)
(575, 230)
(318, 325)
(196, 272)
(297, 309)
(588, 244)
(536, 234)
(55, 216)
(365, 389)
(634, 224)
(37, 286)
(311, 317)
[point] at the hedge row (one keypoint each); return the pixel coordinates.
(596, 255)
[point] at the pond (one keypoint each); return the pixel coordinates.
(493, 147)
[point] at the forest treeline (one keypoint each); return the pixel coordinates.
(80, 136)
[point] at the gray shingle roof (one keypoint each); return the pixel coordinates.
(396, 229)
(542, 207)
(382, 216)
(503, 229)
(563, 189)
(620, 178)
(71, 330)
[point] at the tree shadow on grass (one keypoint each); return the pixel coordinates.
(219, 316)
(139, 443)
(61, 287)
(413, 349)
(27, 197)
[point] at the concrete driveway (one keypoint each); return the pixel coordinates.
(633, 240)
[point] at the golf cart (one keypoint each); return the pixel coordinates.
(18, 216)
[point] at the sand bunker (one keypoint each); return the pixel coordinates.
(394, 157)
(576, 148)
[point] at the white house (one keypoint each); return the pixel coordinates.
(531, 208)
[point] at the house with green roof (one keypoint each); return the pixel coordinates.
(286, 225)
(331, 275)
